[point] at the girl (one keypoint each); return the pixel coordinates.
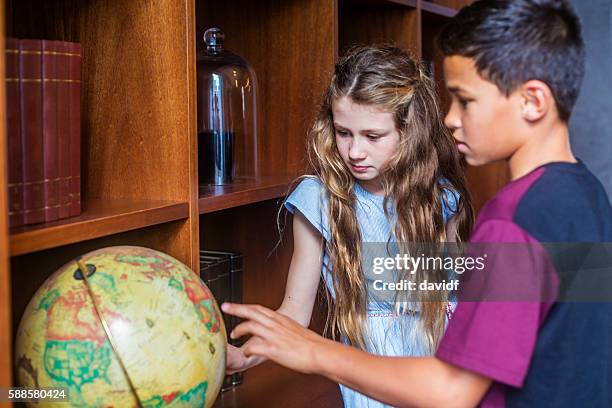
(386, 171)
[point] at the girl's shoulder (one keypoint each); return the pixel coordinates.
(309, 198)
(310, 188)
(309, 185)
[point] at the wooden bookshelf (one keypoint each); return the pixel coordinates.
(270, 385)
(382, 3)
(6, 330)
(386, 22)
(438, 9)
(242, 192)
(98, 219)
(139, 141)
(453, 4)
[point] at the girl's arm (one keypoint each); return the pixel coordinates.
(304, 271)
(398, 381)
(300, 292)
(451, 229)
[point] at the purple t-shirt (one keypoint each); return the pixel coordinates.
(530, 347)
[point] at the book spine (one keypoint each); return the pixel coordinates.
(51, 155)
(32, 130)
(75, 128)
(226, 285)
(236, 262)
(236, 287)
(14, 143)
(63, 128)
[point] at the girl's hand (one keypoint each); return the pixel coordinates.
(236, 360)
(276, 337)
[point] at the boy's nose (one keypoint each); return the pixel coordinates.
(452, 119)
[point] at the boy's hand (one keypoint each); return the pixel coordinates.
(276, 337)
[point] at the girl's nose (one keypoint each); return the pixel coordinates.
(356, 151)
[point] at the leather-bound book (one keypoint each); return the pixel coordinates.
(63, 126)
(51, 165)
(13, 119)
(74, 86)
(32, 130)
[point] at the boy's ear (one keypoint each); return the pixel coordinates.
(536, 100)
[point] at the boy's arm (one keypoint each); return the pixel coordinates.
(398, 381)
(300, 292)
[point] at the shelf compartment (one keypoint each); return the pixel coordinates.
(242, 192)
(438, 9)
(372, 22)
(378, 3)
(99, 218)
(270, 385)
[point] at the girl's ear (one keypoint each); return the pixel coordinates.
(536, 100)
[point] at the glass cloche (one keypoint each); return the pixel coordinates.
(227, 113)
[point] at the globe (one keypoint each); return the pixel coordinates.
(139, 328)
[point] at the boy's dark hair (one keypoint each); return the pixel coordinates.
(514, 41)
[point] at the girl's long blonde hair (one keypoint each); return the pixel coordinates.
(390, 79)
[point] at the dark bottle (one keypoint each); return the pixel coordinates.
(215, 157)
(227, 114)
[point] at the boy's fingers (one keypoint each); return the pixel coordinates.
(257, 350)
(247, 311)
(249, 327)
(254, 313)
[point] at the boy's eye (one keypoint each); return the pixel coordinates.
(463, 102)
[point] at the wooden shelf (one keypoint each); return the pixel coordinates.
(242, 192)
(379, 3)
(99, 218)
(437, 9)
(270, 385)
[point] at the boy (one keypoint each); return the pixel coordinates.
(514, 70)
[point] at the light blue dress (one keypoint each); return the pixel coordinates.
(388, 333)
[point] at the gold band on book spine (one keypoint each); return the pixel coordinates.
(72, 81)
(68, 54)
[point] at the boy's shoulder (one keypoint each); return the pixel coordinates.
(555, 202)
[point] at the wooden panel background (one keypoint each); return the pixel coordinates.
(456, 4)
(366, 23)
(432, 55)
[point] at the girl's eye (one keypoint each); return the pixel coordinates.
(373, 137)
(341, 133)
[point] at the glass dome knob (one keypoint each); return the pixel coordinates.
(214, 37)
